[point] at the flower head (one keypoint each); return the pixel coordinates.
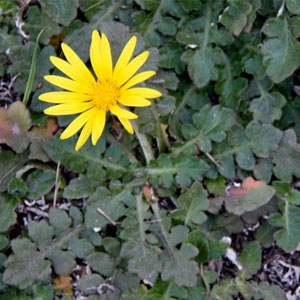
(91, 97)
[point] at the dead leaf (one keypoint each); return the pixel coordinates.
(14, 125)
(248, 184)
(64, 285)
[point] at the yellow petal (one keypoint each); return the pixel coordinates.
(137, 79)
(132, 67)
(95, 54)
(106, 57)
(141, 92)
(68, 108)
(70, 70)
(77, 124)
(134, 101)
(85, 134)
(63, 97)
(67, 84)
(122, 113)
(125, 56)
(76, 62)
(127, 125)
(98, 125)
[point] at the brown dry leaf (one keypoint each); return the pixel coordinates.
(51, 127)
(64, 285)
(56, 40)
(165, 134)
(248, 184)
(250, 196)
(14, 125)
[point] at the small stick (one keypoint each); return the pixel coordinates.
(106, 216)
(56, 184)
(37, 212)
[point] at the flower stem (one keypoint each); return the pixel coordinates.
(144, 143)
(139, 209)
(129, 154)
(32, 70)
(161, 143)
(156, 212)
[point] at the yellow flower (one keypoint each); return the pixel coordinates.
(91, 97)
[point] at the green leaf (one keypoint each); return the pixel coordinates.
(148, 4)
(59, 219)
(202, 66)
(210, 125)
(291, 115)
(103, 207)
(76, 215)
(287, 238)
(189, 170)
(293, 6)
(101, 263)
(256, 138)
(169, 56)
(185, 169)
(189, 5)
(37, 20)
(166, 105)
(8, 216)
(244, 156)
(251, 196)
(79, 188)
(224, 290)
(263, 138)
(40, 182)
(59, 11)
(63, 261)
(21, 56)
(41, 233)
(250, 258)
(9, 165)
(230, 88)
(17, 187)
(265, 291)
(264, 234)
(235, 16)
(88, 157)
(178, 235)
(286, 192)
(167, 26)
(197, 239)
(126, 281)
(112, 246)
(7, 40)
(263, 169)
(268, 107)
(295, 24)
(3, 242)
(192, 204)
(281, 52)
(26, 265)
(181, 268)
(164, 163)
(43, 292)
(88, 283)
(146, 265)
(286, 159)
(81, 247)
(30, 261)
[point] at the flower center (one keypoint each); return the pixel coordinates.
(105, 94)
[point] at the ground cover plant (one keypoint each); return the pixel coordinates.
(195, 196)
